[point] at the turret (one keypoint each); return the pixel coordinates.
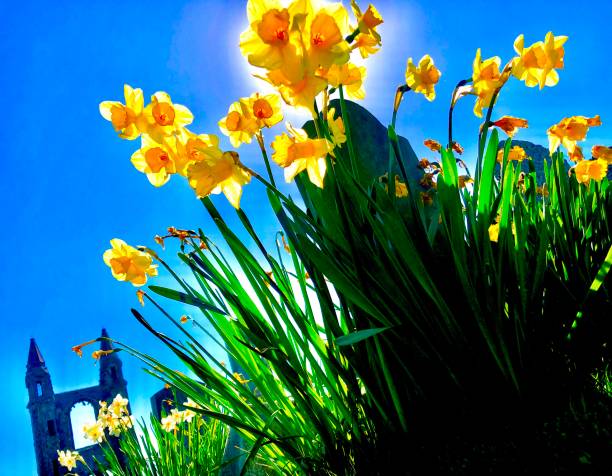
(41, 404)
(111, 373)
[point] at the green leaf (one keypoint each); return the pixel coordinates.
(358, 336)
(183, 297)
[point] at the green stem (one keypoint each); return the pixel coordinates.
(482, 140)
(461, 83)
(347, 129)
(262, 146)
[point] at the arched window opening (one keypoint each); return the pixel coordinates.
(38, 389)
(81, 414)
(113, 373)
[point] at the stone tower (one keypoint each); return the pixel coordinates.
(50, 411)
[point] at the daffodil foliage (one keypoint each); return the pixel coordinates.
(406, 302)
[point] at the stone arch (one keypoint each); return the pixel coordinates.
(81, 412)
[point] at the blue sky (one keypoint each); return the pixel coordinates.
(68, 186)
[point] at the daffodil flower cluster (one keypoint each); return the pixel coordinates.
(114, 418)
(169, 148)
(304, 47)
(176, 417)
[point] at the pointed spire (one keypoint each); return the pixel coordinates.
(35, 358)
(105, 344)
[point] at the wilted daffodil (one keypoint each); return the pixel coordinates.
(164, 117)
(516, 154)
(602, 152)
(295, 152)
(239, 124)
(587, 170)
(569, 131)
(432, 145)
(156, 160)
(537, 64)
(129, 264)
(349, 76)
(510, 124)
(423, 78)
(126, 119)
(486, 79)
(219, 172)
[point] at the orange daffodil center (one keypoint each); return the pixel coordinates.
(248, 116)
(127, 119)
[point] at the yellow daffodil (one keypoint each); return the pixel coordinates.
(164, 117)
(432, 145)
(494, 232)
(269, 40)
(510, 124)
(191, 147)
(300, 92)
(126, 119)
(68, 459)
(119, 405)
(602, 152)
(367, 24)
(537, 64)
(569, 131)
(295, 152)
(94, 432)
(366, 44)
(128, 263)
(336, 128)
(219, 172)
(324, 34)
(239, 124)
(486, 79)
(169, 422)
(516, 154)
(156, 160)
(423, 78)
(266, 109)
(587, 170)
(348, 75)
